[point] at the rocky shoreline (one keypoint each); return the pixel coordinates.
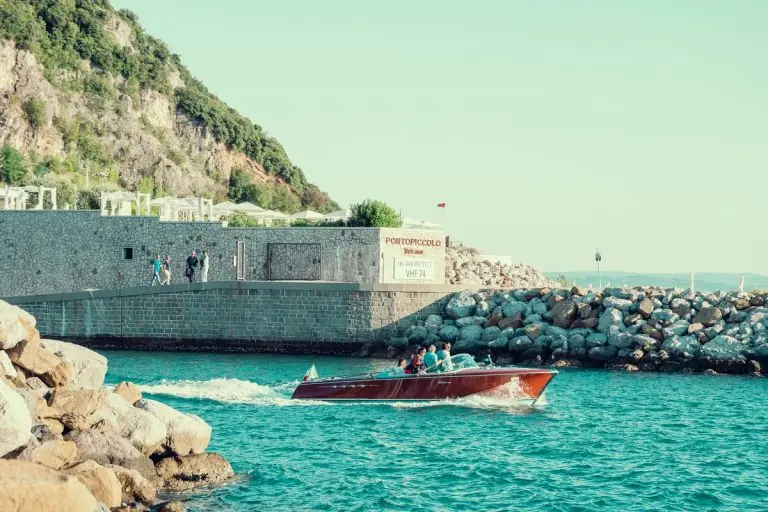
(69, 444)
(637, 329)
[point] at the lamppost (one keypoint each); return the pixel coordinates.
(598, 259)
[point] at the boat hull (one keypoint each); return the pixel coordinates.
(529, 383)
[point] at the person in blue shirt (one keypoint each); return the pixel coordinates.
(156, 269)
(430, 358)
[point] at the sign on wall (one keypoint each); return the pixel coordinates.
(412, 269)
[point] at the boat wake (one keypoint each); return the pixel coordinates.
(232, 391)
(236, 391)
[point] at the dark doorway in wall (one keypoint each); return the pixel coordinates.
(127, 253)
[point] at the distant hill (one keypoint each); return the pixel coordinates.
(705, 281)
(90, 102)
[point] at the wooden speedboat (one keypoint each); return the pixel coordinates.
(460, 376)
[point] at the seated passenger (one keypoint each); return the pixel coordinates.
(392, 372)
(417, 363)
(445, 353)
(430, 358)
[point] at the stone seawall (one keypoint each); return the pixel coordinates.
(647, 329)
(329, 318)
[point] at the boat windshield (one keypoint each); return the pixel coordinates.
(457, 362)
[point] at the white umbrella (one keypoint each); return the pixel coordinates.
(308, 215)
(339, 215)
(248, 208)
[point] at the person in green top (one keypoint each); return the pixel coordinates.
(430, 358)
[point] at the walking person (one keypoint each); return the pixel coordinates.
(156, 265)
(166, 271)
(204, 267)
(192, 263)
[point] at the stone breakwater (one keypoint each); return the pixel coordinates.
(465, 265)
(68, 444)
(647, 329)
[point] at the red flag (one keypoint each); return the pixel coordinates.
(441, 205)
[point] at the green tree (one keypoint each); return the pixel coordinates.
(146, 185)
(239, 181)
(242, 220)
(284, 200)
(35, 111)
(374, 214)
(12, 167)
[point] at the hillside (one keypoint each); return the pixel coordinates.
(90, 102)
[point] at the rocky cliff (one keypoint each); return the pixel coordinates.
(88, 98)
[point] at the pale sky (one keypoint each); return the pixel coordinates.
(549, 128)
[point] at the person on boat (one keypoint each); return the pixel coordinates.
(430, 358)
(444, 358)
(397, 371)
(417, 363)
(445, 353)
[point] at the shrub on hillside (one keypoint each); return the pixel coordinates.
(35, 111)
(13, 170)
(374, 214)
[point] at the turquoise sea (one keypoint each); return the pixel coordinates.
(600, 441)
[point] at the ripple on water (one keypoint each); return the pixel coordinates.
(602, 441)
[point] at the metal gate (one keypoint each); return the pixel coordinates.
(240, 261)
(293, 262)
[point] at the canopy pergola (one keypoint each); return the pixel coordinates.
(121, 203)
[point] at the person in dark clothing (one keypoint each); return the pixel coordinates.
(192, 263)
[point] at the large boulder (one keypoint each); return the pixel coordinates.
(88, 367)
(6, 366)
(708, 315)
(723, 349)
(615, 302)
(680, 307)
(676, 329)
(15, 421)
(603, 353)
(187, 433)
(621, 340)
(460, 305)
(596, 339)
(75, 407)
(181, 473)
(471, 333)
(15, 325)
(134, 486)
(519, 344)
(564, 313)
(101, 481)
(449, 333)
(609, 318)
(31, 355)
(26, 486)
(141, 428)
(109, 448)
(54, 454)
(685, 347)
(511, 308)
(514, 321)
(130, 392)
(646, 308)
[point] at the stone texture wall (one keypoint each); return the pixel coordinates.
(65, 251)
(293, 317)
